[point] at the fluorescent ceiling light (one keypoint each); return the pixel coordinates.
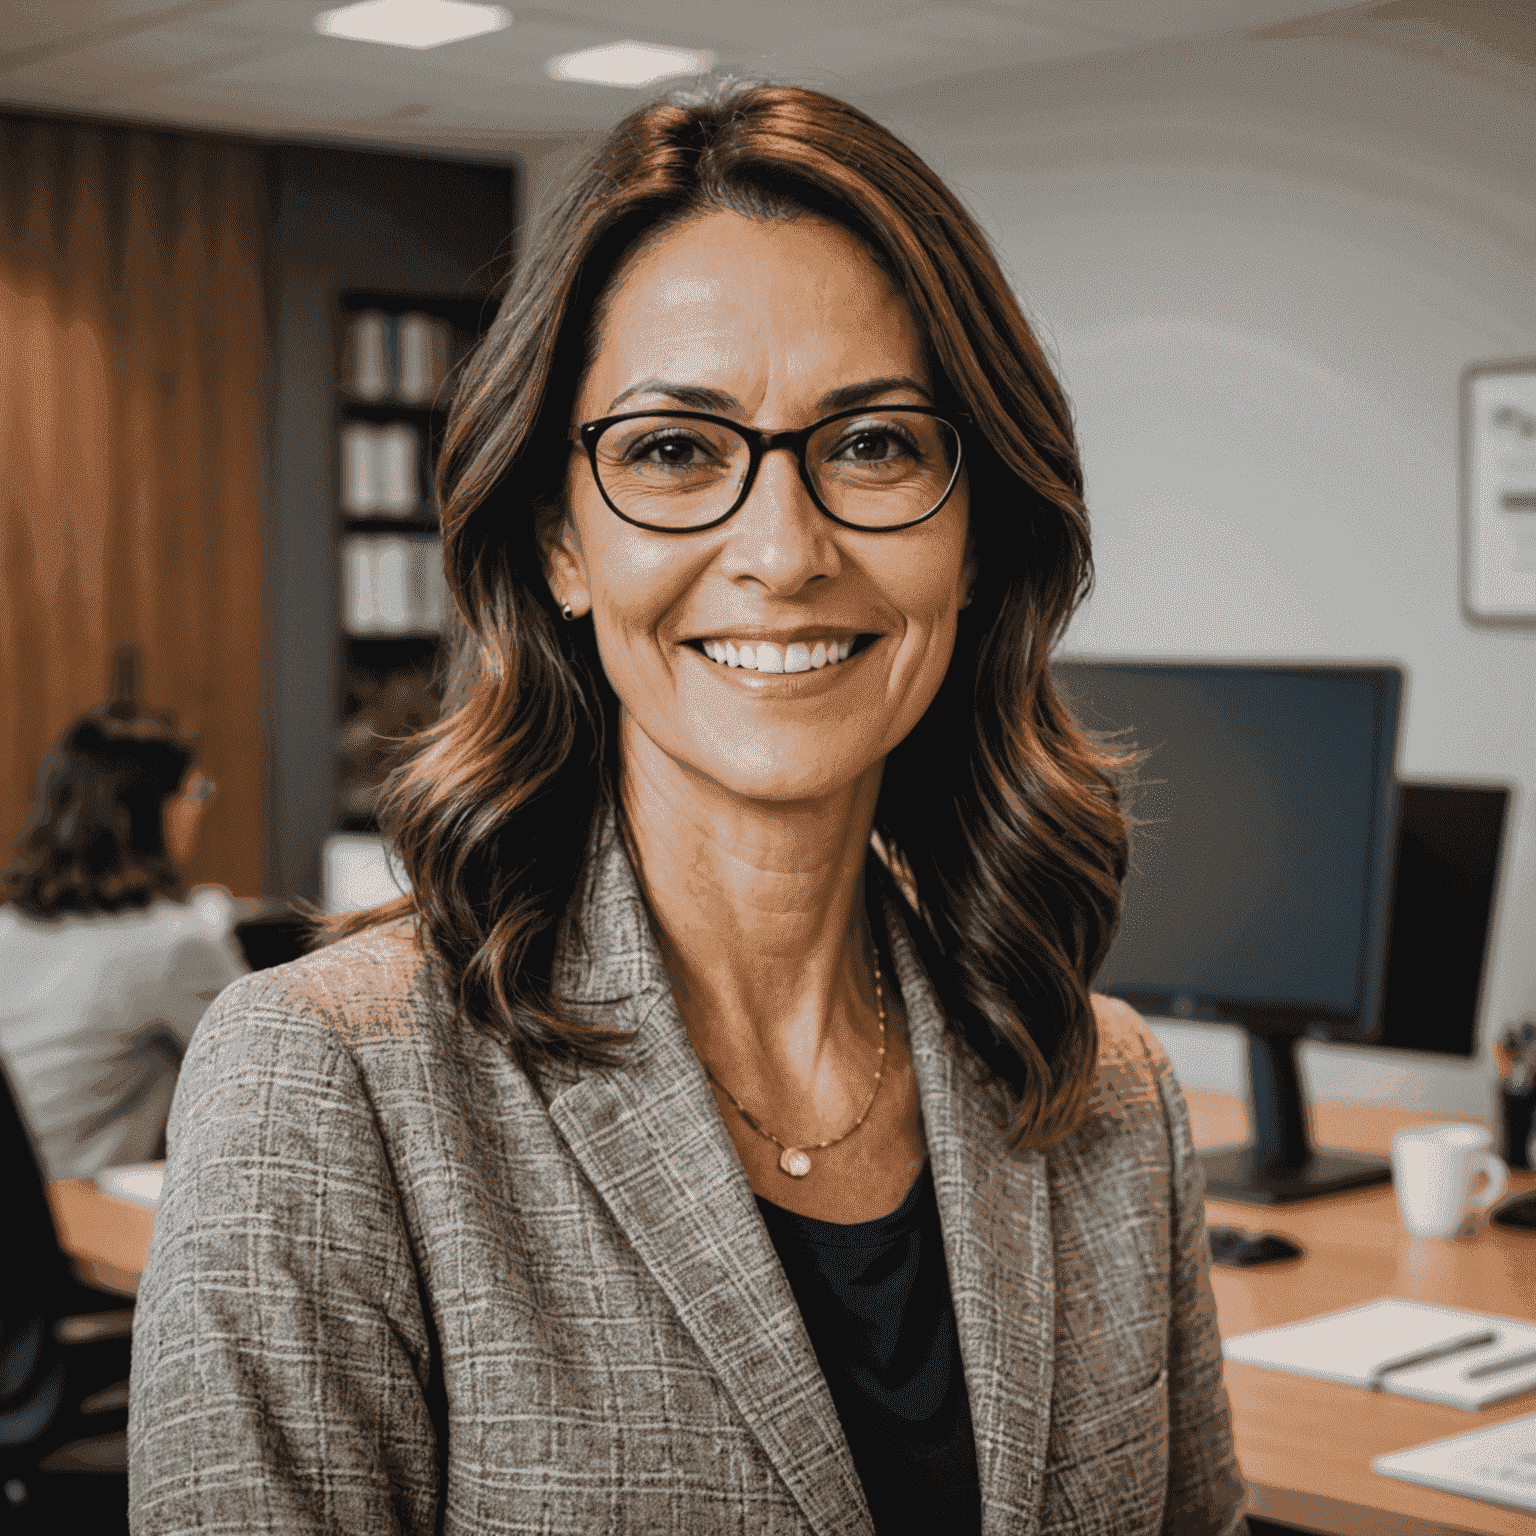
(412, 23)
(628, 63)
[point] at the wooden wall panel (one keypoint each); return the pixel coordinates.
(133, 353)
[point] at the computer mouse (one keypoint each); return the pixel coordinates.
(1517, 1212)
(1237, 1248)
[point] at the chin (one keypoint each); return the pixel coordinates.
(778, 773)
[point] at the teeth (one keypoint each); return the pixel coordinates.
(765, 656)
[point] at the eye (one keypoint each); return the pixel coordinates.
(669, 449)
(874, 443)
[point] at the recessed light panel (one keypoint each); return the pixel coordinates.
(628, 63)
(412, 23)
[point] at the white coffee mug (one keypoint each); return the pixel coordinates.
(1434, 1169)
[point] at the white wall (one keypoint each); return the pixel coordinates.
(1262, 265)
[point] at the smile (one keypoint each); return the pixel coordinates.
(765, 656)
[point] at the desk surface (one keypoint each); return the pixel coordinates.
(1306, 1446)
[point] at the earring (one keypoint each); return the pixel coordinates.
(565, 612)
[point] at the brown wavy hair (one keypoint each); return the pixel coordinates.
(999, 815)
(94, 837)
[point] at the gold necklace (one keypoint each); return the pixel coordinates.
(796, 1161)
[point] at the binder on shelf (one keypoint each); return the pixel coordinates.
(380, 469)
(359, 471)
(368, 371)
(405, 358)
(422, 352)
(360, 610)
(392, 585)
(398, 450)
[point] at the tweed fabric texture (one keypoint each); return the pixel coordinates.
(392, 1290)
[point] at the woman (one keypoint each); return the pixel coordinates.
(109, 961)
(658, 1165)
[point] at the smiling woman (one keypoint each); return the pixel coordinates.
(667, 1160)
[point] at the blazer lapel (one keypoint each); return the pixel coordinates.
(994, 1209)
(650, 1138)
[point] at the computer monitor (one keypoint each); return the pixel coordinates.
(1260, 884)
(1445, 884)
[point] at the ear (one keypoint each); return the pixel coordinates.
(565, 566)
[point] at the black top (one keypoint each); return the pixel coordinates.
(876, 1303)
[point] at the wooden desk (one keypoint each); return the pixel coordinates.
(107, 1238)
(1306, 1446)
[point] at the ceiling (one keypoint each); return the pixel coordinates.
(259, 67)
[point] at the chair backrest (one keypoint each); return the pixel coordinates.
(36, 1275)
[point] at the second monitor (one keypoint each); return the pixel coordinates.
(1283, 881)
(1261, 866)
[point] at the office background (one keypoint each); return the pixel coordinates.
(1264, 263)
(1262, 259)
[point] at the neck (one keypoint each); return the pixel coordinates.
(760, 916)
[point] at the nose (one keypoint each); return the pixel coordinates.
(778, 538)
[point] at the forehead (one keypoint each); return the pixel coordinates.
(751, 306)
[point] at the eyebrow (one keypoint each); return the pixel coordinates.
(696, 397)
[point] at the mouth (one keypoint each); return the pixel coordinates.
(809, 655)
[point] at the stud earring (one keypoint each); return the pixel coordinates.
(565, 612)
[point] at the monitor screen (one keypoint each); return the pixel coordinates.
(1449, 838)
(1261, 837)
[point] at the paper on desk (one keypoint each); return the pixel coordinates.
(1347, 1346)
(138, 1182)
(1496, 1464)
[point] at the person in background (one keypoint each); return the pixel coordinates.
(109, 960)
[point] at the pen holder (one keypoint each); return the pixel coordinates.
(1517, 1120)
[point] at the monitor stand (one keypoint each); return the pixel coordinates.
(1279, 1164)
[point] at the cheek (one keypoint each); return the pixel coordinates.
(929, 588)
(634, 580)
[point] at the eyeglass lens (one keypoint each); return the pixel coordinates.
(879, 469)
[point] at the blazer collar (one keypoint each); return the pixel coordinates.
(995, 1213)
(650, 1138)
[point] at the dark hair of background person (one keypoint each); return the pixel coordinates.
(999, 815)
(94, 838)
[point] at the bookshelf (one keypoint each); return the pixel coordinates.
(396, 357)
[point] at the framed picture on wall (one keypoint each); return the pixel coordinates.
(1498, 490)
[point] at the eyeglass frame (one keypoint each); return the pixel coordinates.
(759, 443)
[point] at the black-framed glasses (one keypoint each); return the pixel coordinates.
(877, 468)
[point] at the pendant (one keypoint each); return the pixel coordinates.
(794, 1162)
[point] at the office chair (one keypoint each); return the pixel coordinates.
(63, 1367)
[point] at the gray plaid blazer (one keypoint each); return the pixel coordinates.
(391, 1291)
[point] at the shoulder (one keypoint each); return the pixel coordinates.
(305, 1049)
(375, 985)
(1133, 1069)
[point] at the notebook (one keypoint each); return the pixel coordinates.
(138, 1182)
(1348, 1346)
(1498, 1464)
